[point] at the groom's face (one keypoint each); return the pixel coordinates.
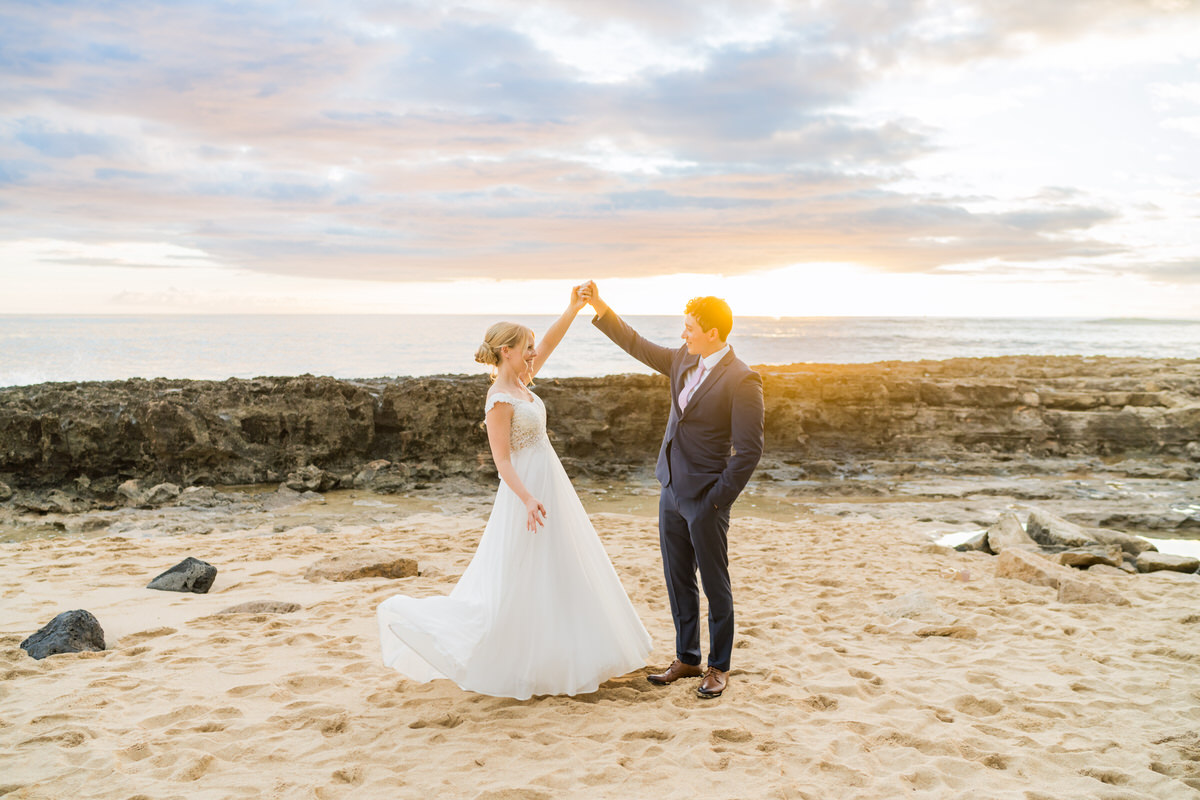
(699, 342)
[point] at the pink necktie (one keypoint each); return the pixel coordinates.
(691, 385)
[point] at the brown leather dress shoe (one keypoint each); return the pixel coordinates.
(677, 670)
(713, 683)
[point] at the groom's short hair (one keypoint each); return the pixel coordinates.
(711, 312)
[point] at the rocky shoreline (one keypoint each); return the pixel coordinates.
(1024, 428)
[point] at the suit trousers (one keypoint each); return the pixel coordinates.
(694, 536)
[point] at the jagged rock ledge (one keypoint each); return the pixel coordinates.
(84, 440)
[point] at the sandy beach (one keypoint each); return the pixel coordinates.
(869, 663)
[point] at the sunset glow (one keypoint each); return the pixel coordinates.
(805, 159)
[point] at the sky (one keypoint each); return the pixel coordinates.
(820, 158)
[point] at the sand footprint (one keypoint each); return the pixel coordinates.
(69, 738)
(1112, 777)
(303, 638)
(719, 765)
(605, 777)
(383, 700)
(122, 683)
(47, 719)
(730, 735)
(135, 752)
(864, 675)
(654, 734)
(312, 684)
(994, 761)
(194, 768)
(929, 747)
(983, 678)
(329, 720)
(489, 704)
(523, 793)
(445, 721)
(977, 706)
(821, 702)
(844, 775)
(183, 714)
(349, 775)
(220, 723)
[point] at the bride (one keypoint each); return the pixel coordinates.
(539, 610)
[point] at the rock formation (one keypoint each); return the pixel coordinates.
(86, 440)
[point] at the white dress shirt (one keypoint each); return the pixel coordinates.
(709, 362)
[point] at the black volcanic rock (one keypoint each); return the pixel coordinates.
(189, 575)
(70, 632)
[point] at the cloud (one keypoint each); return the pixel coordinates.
(1182, 271)
(46, 140)
(15, 171)
(399, 142)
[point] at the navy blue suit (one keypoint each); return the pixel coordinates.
(708, 453)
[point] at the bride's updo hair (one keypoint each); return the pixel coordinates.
(502, 334)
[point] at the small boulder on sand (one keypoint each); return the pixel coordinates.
(1051, 531)
(1030, 567)
(189, 575)
(70, 632)
(1007, 532)
(1084, 557)
(976, 544)
(311, 478)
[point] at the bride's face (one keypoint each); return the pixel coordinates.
(519, 360)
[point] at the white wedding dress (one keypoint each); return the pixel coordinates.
(534, 613)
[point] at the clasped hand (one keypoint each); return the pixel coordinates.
(580, 296)
(585, 292)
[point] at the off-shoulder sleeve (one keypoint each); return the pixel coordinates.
(498, 397)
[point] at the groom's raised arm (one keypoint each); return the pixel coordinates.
(654, 356)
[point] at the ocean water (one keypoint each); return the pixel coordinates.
(36, 349)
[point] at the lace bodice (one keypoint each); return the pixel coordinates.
(529, 418)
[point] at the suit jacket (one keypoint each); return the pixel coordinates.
(711, 448)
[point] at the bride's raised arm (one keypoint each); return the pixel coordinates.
(557, 330)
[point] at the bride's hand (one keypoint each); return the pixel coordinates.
(578, 298)
(536, 514)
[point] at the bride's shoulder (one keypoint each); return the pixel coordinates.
(498, 397)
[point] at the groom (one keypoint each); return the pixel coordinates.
(713, 441)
